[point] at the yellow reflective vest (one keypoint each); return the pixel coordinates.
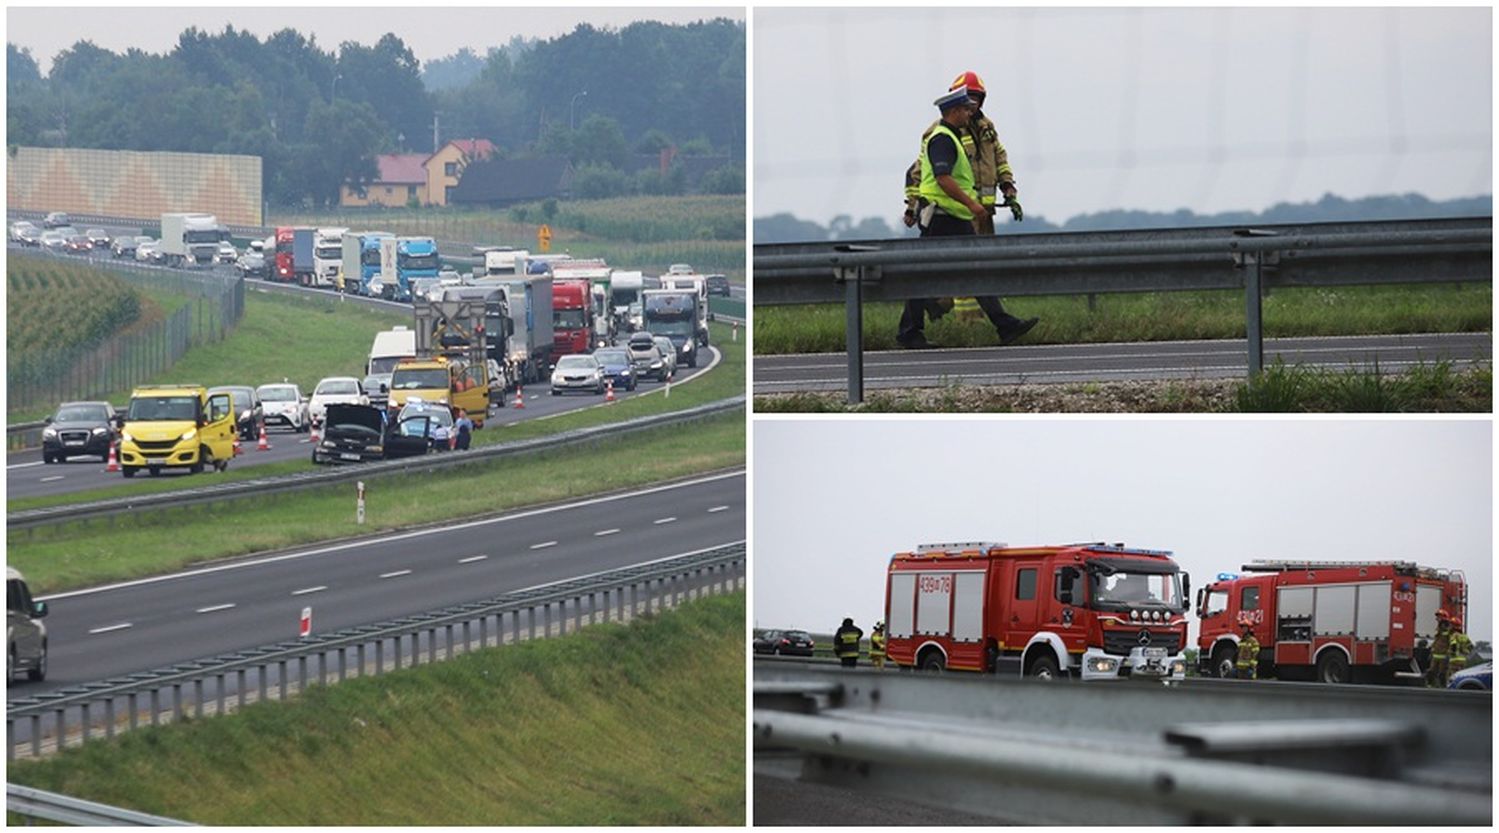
(962, 173)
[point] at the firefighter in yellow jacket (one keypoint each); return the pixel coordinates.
(1441, 650)
(846, 643)
(1247, 665)
(1462, 646)
(877, 645)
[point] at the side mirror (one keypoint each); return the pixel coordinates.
(38, 610)
(47, 421)
(1186, 593)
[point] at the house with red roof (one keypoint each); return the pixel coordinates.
(429, 179)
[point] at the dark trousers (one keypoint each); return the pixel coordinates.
(912, 321)
(849, 662)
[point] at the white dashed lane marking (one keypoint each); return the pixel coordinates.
(396, 574)
(543, 546)
(601, 533)
(214, 608)
(717, 509)
(52, 478)
(471, 559)
(663, 520)
(118, 627)
(305, 590)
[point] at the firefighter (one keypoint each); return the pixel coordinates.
(1462, 646)
(1441, 647)
(1247, 665)
(877, 645)
(846, 643)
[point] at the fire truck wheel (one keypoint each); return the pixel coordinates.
(1332, 667)
(932, 661)
(1223, 661)
(1044, 667)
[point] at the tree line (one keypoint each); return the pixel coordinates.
(318, 117)
(786, 228)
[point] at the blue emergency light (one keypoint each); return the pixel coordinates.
(1227, 576)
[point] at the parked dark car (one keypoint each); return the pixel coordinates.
(718, 285)
(616, 364)
(78, 429)
(29, 235)
(645, 356)
(124, 245)
(79, 244)
(98, 237)
(788, 643)
(361, 434)
(248, 410)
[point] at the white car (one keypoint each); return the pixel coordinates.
(227, 253)
(144, 248)
(343, 390)
(20, 230)
(577, 372)
(54, 241)
(284, 404)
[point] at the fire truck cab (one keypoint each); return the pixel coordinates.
(1088, 611)
(1333, 621)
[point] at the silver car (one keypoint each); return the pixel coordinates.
(26, 633)
(668, 354)
(577, 372)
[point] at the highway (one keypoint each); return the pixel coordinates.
(1214, 359)
(146, 624)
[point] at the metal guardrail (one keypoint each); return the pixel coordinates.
(1036, 752)
(1152, 260)
(32, 518)
(169, 692)
(55, 807)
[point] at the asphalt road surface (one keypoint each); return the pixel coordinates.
(1108, 362)
(27, 476)
(142, 625)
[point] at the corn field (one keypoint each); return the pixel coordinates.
(65, 318)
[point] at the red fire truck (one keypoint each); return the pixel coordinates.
(572, 321)
(1089, 611)
(1335, 621)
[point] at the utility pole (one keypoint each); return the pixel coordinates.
(434, 132)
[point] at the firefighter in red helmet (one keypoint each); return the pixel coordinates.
(1441, 648)
(1247, 664)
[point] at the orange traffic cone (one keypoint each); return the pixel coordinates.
(520, 396)
(609, 391)
(113, 463)
(313, 437)
(238, 450)
(264, 444)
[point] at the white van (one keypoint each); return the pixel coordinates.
(27, 634)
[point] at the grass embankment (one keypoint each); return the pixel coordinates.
(640, 724)
(159, 541)
(1279, 389)
(724, 381)
(1301, 311)
(646, 233)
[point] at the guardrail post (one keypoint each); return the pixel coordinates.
(853, 327)
(261, 675)
(239, 687)
(132, 702)
(220, 693)
(448, 636)
(515, 627)
(593, 608)
(359, 657)
(281, 679)
(84, 721)
(198, 698)
(36, 736)
(109, 718)
(61, 729)
(343, 663)
(1254, 263)
(10, 739)
(468, 636)
(176, 702)
(483, 631)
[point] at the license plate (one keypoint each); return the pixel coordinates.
(73, 442)
(1155, 653)
(346, 456)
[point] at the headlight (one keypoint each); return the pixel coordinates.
(126, 438)
(656, 364)
(376, 285)
(245, 414)
(99, 431)
(49, 432)
(191, 432)
(1104, 665)
(1134, 615)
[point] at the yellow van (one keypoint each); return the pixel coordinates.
(459, 383)
(177, 426)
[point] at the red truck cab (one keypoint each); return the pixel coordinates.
(572, 317)
(283, 269)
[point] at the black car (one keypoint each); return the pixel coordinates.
(98, 237)
(789, 643)
(248, 410)
(718, 285)
(360, 434)
(124, 246)
(78, 429)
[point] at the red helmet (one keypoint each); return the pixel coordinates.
(969, 79)
(1457, 623)
(1443, 615)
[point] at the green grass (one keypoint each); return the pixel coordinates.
(159, 541)
(639, 724)
(1152, 317)
(1438, 387)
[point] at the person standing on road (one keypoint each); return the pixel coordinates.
(948, 206)
(846, 643)
(1247, 665)
(1462, 646)
(1441, 647)
(877, 645)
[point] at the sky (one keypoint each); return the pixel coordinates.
(834, 499)
(431, 33)
(1156, 109)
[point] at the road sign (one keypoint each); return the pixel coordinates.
(544, 238)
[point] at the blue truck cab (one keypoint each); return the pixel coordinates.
(369, 259)
(416, 258)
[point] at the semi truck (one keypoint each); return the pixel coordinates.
(572, 317)
(452, 360)
(361, 260)
(1331, 621)
(416, 258)
(502, 262)
(600, 277)
(673, 313)
(528, 303)
(327, 255)
(625, 301)
(698, 285)
(294, 255)
(1092, 611)
(190, 239)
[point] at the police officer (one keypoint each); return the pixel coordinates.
(1247, 665)
(846, 643)
(1441, 647)
(948, 205)
(877, 645)
(1462, 646)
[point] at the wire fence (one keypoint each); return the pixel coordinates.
(41, 379)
